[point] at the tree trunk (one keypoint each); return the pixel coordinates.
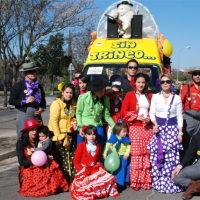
(5, 88)
(52, 85)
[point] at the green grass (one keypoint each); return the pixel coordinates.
(47, 92)
(2, 93)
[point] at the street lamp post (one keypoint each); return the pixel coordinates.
(70, 69)
(188, 47)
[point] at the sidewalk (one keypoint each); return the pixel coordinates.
(49, 100)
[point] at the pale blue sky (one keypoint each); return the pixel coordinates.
(179, 22)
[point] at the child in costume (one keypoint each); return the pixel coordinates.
(45, 143)
(92, 181)
(115, 105)
(120, 142)
(115, 102)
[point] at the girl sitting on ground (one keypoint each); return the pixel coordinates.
(92, 181)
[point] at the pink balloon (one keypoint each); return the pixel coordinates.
(39, 158)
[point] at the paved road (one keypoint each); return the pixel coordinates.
(9, 188)
(8, 170)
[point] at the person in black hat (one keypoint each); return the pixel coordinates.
(123, 14)
(28, 97)
(125, 3)
(93, 106)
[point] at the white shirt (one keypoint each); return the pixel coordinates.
(143, 104)
(159, 108)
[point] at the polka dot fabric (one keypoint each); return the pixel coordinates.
(140, 176)
(41, 181)
(65, 158)
(162, 181)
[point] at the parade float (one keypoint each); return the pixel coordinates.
(127, 30)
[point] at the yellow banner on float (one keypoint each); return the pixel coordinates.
(145, 51)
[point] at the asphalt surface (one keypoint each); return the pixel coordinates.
(9, 165)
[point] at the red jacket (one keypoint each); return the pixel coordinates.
(194, 97)
(129, 104)
(82, 156)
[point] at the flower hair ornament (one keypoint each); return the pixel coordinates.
(60, 86)
(75, 82)
(158, 82)
(84, 128)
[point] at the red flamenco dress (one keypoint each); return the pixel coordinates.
(100, 182)
(38, 181)
(140, 134)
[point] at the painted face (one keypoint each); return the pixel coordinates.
(115, 94)
(32, 133)
(132, 69)
(123, 9)
(42, 137)
(67, 94)
(123, 132)
(82, 86)
(90, 137)
(140, 84)
(165, 83)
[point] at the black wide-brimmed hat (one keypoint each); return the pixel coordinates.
(28, 66)
(193, 70)
(98, 83)
(124, 3)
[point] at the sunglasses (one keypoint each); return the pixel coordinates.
(132, 67)
(196, 73)
(165, 81)
(31, 71)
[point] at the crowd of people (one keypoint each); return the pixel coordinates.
(156, 136)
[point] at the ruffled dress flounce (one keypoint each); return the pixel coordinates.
(41, 181)
(140, 166)
(161, 176)
(100, 184)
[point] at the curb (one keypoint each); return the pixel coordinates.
(8, 154)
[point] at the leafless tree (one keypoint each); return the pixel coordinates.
(78, 43)
(26, 23)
